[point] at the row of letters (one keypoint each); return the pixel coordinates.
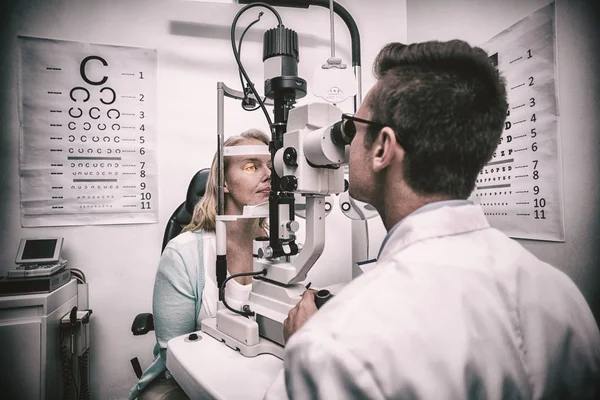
(95, 139)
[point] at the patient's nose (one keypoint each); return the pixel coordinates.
(267, 173)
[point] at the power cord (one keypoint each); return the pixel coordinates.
(237, 57)
(69, 383)
(71, 323)
(247, 312)
(84, 390)
(79, 275)
(248, 103)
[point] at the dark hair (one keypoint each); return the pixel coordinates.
(447, 103)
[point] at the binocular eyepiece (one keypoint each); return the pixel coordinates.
(342, 133)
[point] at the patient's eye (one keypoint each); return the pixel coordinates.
(250, 167)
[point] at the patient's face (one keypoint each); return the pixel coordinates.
(247, 179)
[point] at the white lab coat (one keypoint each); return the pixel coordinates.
(453, 310)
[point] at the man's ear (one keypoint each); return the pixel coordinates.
(385, 149)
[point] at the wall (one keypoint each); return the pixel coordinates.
(578, 42)
(192, 39)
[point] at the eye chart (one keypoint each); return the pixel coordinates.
(87, 133)
(520, 188)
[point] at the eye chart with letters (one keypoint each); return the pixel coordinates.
(87, 133)
(520, 188)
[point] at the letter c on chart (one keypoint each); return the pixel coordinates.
(76, 116)
(113, 109)
(97, 115)
(84, 75)
(87, 93)
(114, 96)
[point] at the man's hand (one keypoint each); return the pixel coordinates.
(298, 315)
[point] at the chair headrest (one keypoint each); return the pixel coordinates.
(196, 189)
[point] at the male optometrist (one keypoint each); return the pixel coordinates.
(454, 309)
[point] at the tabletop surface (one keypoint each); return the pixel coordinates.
(208, 368)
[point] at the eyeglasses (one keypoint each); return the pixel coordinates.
(348, 127)
(344, 131)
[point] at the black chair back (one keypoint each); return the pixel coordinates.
(183, 214)
(144, 322)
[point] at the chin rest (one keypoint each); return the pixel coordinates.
(183, 214)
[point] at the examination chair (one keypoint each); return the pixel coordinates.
(144, 322)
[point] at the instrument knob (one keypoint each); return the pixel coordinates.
(288, 183)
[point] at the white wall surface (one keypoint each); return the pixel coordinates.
(578, 45)
(192, 39)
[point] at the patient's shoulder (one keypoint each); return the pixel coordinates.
(185, 239)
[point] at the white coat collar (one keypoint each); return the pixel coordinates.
(431, 221)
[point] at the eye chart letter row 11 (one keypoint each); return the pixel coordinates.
(520, 188)
(87, 133)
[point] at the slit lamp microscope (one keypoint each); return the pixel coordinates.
(309, 148)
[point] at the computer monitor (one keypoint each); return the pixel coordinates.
(39, 250)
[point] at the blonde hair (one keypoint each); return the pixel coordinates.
(205, 211)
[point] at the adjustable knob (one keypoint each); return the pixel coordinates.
(322, 296)
(290, 157)
(288, 183)
(292, 226)
(265, 252)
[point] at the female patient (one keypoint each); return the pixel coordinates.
(185, 289)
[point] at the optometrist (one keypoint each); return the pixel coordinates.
(453, 309)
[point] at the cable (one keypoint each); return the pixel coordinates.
(241, 69)
(239, 62)
(73, 377)
(247, 100)
(84, 390)
(79, 273)
(78, 277)
(260, 14)
(245, 313)
(69, 384)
